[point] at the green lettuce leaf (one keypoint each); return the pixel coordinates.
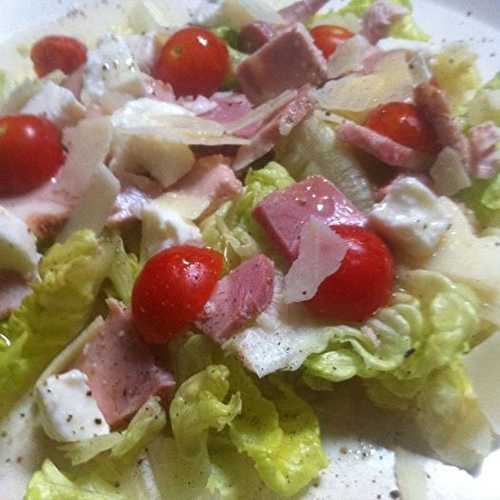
(456, 73)
(485, 105)
(450, 419)
(231, 230)
(51, 484)
(62, 301)
(405, 28)
(148, 422)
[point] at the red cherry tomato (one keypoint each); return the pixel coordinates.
(58, 52)
(405, 124)
(172, 289)
(194, 61)
(31, 153)
(327, 38)
(362, 284)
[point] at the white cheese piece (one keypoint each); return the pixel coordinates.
(237, 13)
(189, 206)
(283, 336)
(411, 218)
(111, 67)
(96, 205)
(483, 368)
(163, 228)
(144, 50)
(449, 172)
(205, 12)
(17, 245)
(55, 103)
(148, 15)
(68, 412)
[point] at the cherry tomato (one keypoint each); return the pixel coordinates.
(194, 61)
(362, 284)
(327, 38)
(172, 289)
(31, 153)
(58, 52)
(405, 124)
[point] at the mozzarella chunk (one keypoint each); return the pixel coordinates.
(55, 103)
(111, 67)
(411, 218)
(17, 245)
(144, 50)
(68, 412)
(163, 227)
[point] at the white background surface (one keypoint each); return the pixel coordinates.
(358, 438)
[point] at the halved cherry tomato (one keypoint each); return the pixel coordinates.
(172, 289)
(362, 284)
(327, 38)
(405, 124)
(194, 61)
(58, 52)
(31, 152)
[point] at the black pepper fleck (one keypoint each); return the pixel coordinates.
(395, 494)
(98, 421)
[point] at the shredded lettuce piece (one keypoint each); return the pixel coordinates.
(311, 149)
(231, 230)
(405, 28)
(124, 270)
(450, 419)
(3, 86)
(51, 484)
(126, 446)
(71, 275)
(456, 73)
(275, 429)
(483, 197)
(485, 105)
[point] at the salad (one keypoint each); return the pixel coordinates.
(225, 213)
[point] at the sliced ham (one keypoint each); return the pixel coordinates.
(238, 298)
(276, 128)
(13, 290)
(434, 104)
(283, 213)
(46, 209)
(382, 147)
(121, 369)
(379, 18)
(256, 34)
(74, 82)
(288, 61)
(484, 140)
(211, 183)
(321, 252)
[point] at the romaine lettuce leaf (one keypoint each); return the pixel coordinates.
(405, 28)
(71, 275)
(127, 445)
(51, 484)
(231, 230)
(456, 73)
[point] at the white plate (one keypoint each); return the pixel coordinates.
(358, 438)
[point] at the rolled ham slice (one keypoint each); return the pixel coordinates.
(121, 369)
(484, 139)
(379, 18)
(238, 298)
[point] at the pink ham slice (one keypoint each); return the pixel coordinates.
(238, 298)
(121, 369)
(211, 180)
(434, 104)
(484, 139)
(283, 214)
(13, 290)
(321, 252)
(289, 61)
(382, 147)
(254, 35)
(277, 127)
(379, 18)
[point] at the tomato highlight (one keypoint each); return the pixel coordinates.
(62, 53)
(172, 289)
(328, 37)
(404, 123)
(363, 283)
(194, 61)
(31, 153)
